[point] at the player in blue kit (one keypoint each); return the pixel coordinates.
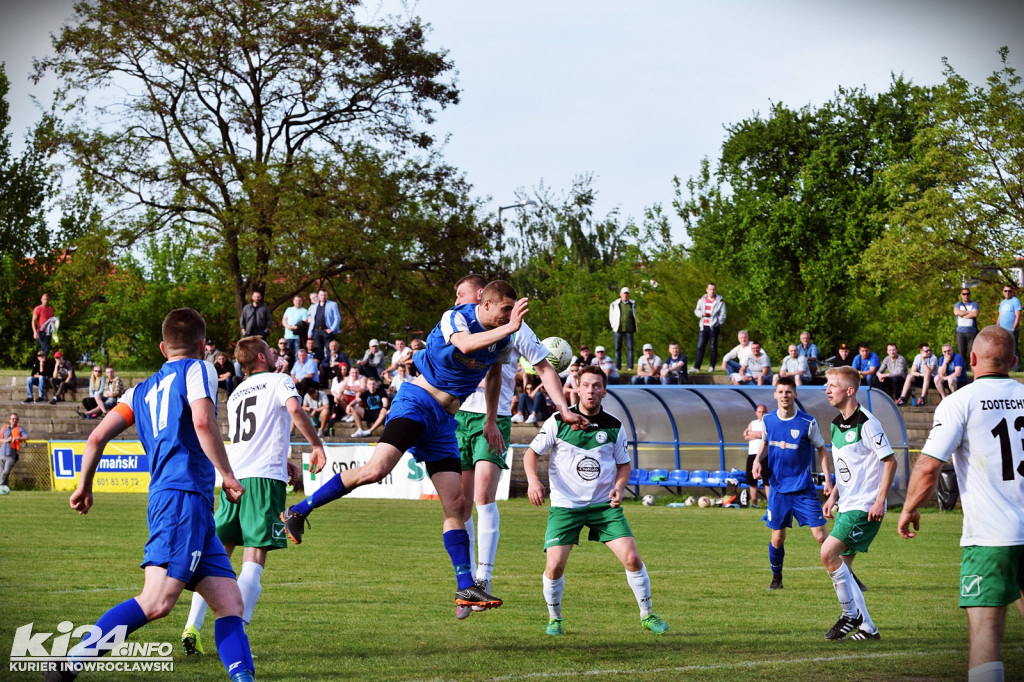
(469, 344)
(175, 415)
(791, 437)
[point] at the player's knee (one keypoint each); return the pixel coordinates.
(156, 608)
(632, 562)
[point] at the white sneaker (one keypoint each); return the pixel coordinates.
(517, 418)
(532, 419)
(360, 433)
(694, 370)
(348, 419)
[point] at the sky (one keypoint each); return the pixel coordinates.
(634, 93)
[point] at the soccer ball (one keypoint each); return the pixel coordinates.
(690, 501)
(559, 353)
(4, 490)
(648, 500)
(704, 501)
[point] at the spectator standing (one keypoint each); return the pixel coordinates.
(673, 370)
(843, 357)
(866, 363)
(710, 309)
(793, 365)
(756, 368)
(753, 434)
(42, 328)
(1009, 319)
(648, 368)
(373, 362)
(296, 328)
(42, 370)
(622, 317)
(12, 435)
(604, 361)
(305, 373)
(806, 349)
(893, 371)
(255, 319)
(63, 378)
(735, 357)
(922, 371)
(951, 371)
(966, 312)
(324, 320)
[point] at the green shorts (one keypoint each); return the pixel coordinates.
(855, 531)
(606, 523)
(473, 447)
(991, 576)
(256, 520)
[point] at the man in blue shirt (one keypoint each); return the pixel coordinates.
(1009, 318)
(175, 416)
(468, 345)
(305, 372)
(791, 437)
(866, 363)
(806, 349)
(951, 371)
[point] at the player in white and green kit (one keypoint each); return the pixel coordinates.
(980, 428)
(260, 415)
(865, 467)
(588, 471)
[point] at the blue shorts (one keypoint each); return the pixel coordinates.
(438, 438)
(802, 505)
(183, 538)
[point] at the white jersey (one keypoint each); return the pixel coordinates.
(583, 463)
(981, 427)
(859, 445)
(259, 426)
(524, 343)
(754, 446)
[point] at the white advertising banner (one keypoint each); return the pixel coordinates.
(408, 480)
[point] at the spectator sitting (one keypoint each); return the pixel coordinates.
(607, 365)
(112, 389)
(416, 345)
(332, 358)
(401, 356)
(922, 372)
(63, 378)
(372, 364)
(226, 376)
(673, 370)
(648, 368)
(756, 368)
(570, 389)
(97, 382)
(866, 363)
(346, 389)
(843, 356)
(806, 349)
(283, 360)
(210, 352)
(401, 377)
(734, 359)
(318, 407)
(316, 353)
(892, 372)
(305, 373)
(950, 372)
(586, 357)
(370, 409)
(42, 370)
(534, 406)
(793, 365)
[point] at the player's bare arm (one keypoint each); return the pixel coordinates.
(317, 458)
(828, 509)
(826, 469)
(755, 469)
(111, 426)
(877, 511)
(204, 419)
(535, 489)
(621, 479)
(492, 393)
(923, 481)
(508, 324)
(549, 379)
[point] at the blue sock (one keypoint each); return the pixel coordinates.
(127, 613)
(328, 492)
(457, 543)
(233, 644)
(775, 557)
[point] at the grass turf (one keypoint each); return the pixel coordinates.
(369, 595)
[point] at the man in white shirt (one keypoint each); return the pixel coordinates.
(755, 368)
(735, 357)
(648, 369)
(794, 365)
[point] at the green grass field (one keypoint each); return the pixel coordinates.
(368, 595)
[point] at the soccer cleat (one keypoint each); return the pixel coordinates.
(862, 634)
(243, 676)
(844, 626)
(862, 586)
(463, 612)
(655, 624)
(484, 585)
(293, 525)
(475, 596)
(554, 627)
(776, 582)
(191, 643)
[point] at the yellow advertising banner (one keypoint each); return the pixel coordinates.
(124, 467)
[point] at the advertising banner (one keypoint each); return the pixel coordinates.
(123, 468)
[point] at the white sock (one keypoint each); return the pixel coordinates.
(640, 583)
(843, 581)
(249, 585)
(986, 672)
(553, 596)
(488, 533)
(858, 598)
(196, 612)
(472, 545)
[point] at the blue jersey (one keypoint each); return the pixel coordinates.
(163, 420)
(447, 368)
(791, 444)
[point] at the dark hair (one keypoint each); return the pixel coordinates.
(499, 290)
(247, 352)
(184, 331)
(786, 381)
(476, 280)
(594, 369)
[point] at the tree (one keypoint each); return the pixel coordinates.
(251, 125)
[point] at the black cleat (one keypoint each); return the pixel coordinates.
(864, 634)
(844, 626)
(776, 583)
(294, 524)
(862, 586)
(474, 595)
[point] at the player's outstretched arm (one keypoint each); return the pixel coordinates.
(112, 425)
(923, 481)
(317, 458)
(621, 479)
(204, 419)
(535, 489)
(549, 379)
(468, 342)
